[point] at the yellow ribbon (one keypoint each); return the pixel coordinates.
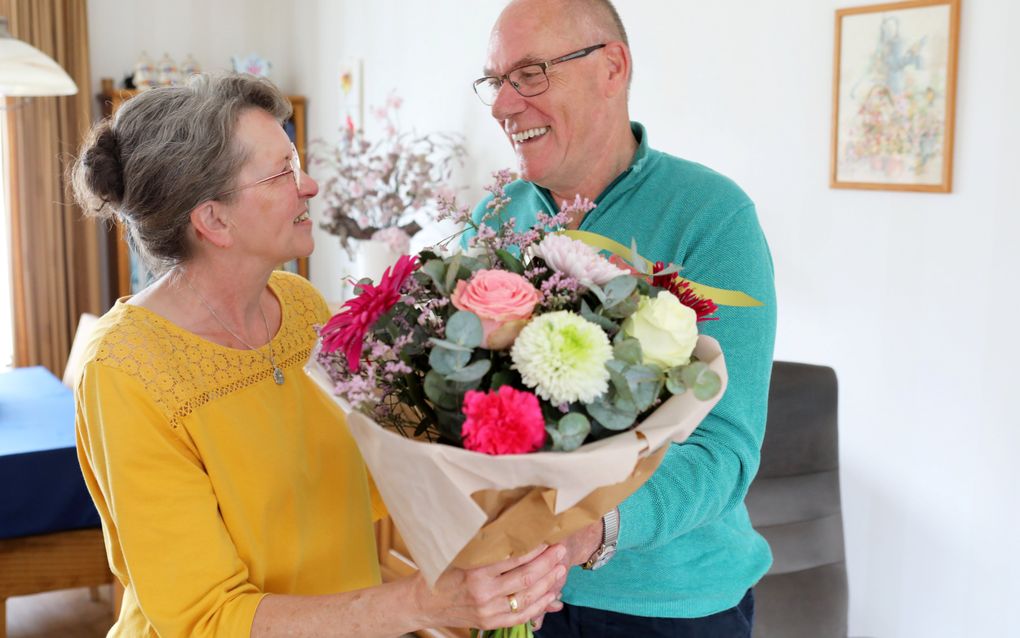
(720, 296)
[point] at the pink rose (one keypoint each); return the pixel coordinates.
(503, 301)
(504, 421)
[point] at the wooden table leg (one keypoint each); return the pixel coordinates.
(116, 598)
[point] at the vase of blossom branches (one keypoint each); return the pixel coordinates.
(378, 193)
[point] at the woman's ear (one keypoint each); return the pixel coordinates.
(211, 222)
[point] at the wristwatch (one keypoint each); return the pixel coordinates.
(610, 532)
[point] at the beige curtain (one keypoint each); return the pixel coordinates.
(55, 251)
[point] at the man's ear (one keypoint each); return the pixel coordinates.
(618, 61)
(211, 222)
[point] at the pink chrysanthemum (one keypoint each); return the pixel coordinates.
(507, 421)
(347, 329)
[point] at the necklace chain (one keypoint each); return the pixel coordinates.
(271, 358)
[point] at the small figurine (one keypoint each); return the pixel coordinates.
(252, 64)
(189, 67)
(144, 76)
(167, 71)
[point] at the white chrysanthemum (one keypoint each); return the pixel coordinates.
(576, 259)
(563, 357)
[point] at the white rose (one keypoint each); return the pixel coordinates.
(666, 329)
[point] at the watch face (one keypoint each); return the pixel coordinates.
(603, 556)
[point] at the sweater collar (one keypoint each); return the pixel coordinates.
(623, 181)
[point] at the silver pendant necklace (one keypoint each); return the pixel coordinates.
(277, 372)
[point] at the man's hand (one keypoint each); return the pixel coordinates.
(579, 547)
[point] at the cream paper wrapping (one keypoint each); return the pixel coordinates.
(457, 507)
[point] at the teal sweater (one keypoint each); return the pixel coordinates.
(686, 546)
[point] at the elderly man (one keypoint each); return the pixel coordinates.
(686, 556)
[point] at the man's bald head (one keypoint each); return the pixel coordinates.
(596, 18)
(591, 20)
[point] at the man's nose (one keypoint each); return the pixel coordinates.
(508, 102)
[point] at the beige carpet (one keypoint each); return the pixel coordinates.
(68, 613)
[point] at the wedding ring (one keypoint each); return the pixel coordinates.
(512, 601)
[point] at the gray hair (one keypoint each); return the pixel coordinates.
(605, 16)
(164, 152)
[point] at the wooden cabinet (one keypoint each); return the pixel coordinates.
(395, 562)
(119, 255)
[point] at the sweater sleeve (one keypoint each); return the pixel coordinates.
(708, 475)
(165, 535)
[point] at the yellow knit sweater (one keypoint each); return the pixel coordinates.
(215, 485)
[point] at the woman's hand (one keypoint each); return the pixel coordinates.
(482, 598)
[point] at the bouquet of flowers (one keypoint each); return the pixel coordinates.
(512, 394)
(375, 189)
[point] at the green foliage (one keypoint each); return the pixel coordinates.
(640, 385)
(696, 376)
(605, 323)
(705, 382)
(464, 328)
(627, 349)
(503, 377)
(674, 383)
(440, 391)
(517, 631)
(447, 360)
(618, 300)
(512, 263)
(452, 272)
(570, 432)
(616, 414)
(618, 290)
(436, 271)
(471, 373)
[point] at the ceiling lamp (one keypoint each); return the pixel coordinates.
(27, 71)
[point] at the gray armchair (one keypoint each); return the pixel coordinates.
(794, 503)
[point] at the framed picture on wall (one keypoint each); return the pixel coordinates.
(894, 96)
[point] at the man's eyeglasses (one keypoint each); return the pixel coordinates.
(528, 80)
(294, 168)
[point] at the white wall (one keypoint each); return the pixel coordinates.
(211, 31)
(906, 295)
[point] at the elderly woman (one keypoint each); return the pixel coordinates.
(234, 501)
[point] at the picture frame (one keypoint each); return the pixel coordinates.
(894, 96)
(351, 82)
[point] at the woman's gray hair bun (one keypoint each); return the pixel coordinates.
(98, 175)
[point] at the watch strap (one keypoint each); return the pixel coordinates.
(610, 533)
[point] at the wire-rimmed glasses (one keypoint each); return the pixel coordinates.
(528, 80)
(294, 168)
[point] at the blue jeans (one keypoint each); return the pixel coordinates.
(585, 622)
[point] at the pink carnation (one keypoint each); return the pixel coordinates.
(506, 421)
(503, 301)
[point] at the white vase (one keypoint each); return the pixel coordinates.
(371, 259)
